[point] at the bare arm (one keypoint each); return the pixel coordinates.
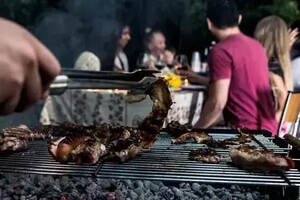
(193, 77)
(280, 93)
(217, 99)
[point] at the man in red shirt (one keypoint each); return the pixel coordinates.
(239, 84)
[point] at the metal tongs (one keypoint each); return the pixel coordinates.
(137, 82)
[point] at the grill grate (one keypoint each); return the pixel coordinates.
(162, 162)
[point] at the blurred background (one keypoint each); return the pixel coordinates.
(69, 27)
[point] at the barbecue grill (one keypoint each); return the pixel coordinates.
(163, 162)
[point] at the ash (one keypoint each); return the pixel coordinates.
(44, 187)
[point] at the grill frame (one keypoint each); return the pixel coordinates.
(162, 162)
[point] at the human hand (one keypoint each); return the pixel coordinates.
(293, 33)
(180, 72)
(186, 74)
(192, 77)
(27, 68)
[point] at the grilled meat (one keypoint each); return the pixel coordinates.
(175, 129)
(88, 145)
(215, 144)
(181, 133)
(53, 147)
(13, 144)
(241, 139)
(205, 155)
(88, 152)
(17, 138)
(162, 102)
(251, 158)
(199, 137)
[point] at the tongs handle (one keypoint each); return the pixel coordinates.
(136, 82)
(136, 75)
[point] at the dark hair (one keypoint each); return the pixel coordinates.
(222, 13)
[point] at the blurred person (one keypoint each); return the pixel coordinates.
(121, 61)
(27, 68)
(272, 32)
(295, 55)
(239, 84)
(87, 61)
(155, 44)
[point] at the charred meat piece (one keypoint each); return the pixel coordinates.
(18, 138)
(253, 159)
(205, 155)
(54, 145)
(88, 145)
(128, 153)
(62, 147)
(23, 132)
(13, 144)
(114, 142)
(88, 152)
(199, 137)
(215, 144)
(175, 129)
(241, 139)
(162, 102)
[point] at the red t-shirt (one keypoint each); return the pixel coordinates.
(250, 104)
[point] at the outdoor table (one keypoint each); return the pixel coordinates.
(89, 107)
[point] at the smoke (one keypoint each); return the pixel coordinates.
(81, 25)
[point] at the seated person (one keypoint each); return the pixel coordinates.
(88, 61)
(155, 44)
(121, 61)
(272, 32)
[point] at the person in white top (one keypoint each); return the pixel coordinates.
(121, 61)
(155, 43)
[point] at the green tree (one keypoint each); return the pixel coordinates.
(286, 9)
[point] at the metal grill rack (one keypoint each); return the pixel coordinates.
(162, 162)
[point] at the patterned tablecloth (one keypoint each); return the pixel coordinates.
(88, 107)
